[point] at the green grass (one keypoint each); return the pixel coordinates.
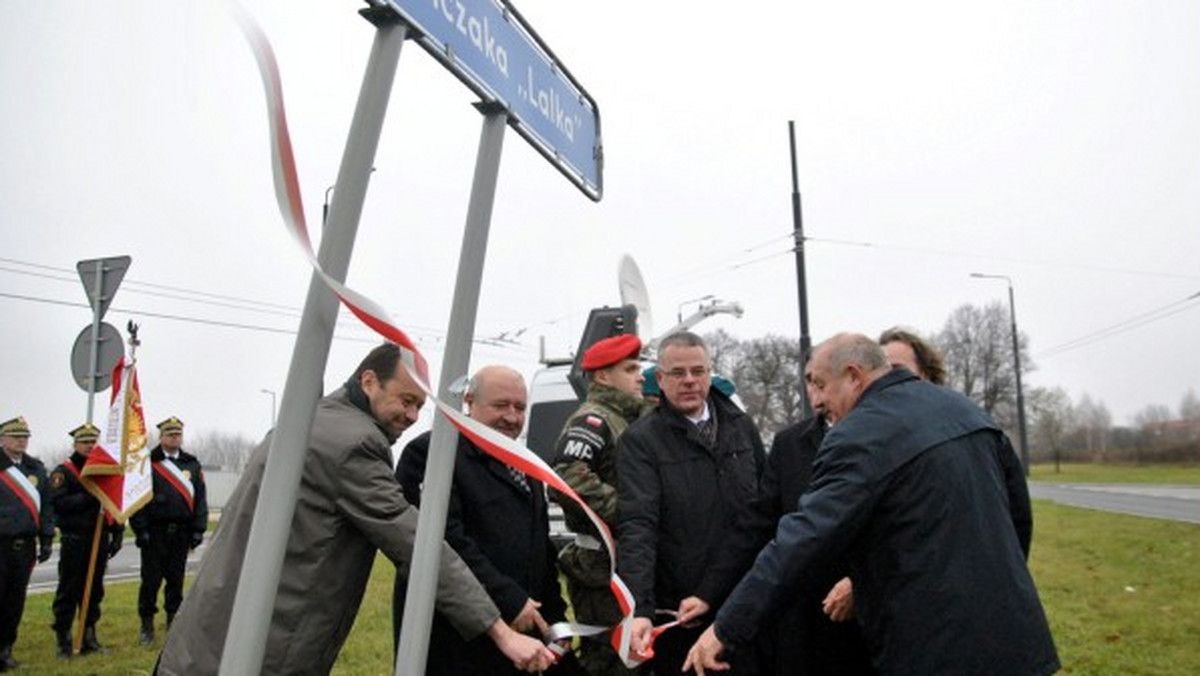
(1122, 594)
(1118, 474)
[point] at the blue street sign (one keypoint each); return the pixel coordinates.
(490, 47)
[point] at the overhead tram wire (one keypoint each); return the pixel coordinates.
(70, 276)
(1123, 326)
(1004, 259)
(372, 339)
(727, 264)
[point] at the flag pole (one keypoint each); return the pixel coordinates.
(87, 584)
(91, 572)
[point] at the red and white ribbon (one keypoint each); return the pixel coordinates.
(499, 446)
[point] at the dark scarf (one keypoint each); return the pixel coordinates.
(358, 398)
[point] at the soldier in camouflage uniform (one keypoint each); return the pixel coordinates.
(586, 460)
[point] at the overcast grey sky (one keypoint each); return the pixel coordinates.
(1055, 143)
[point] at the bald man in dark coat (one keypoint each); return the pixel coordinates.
(908, 489)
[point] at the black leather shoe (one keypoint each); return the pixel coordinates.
(90, 643)
(6, 659)
(63, 649)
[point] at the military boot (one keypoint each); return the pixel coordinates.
(90, 643)
(146, 636)
(170, 619)
(63, 649)
(6, 659)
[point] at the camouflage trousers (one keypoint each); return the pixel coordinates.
(596, 605)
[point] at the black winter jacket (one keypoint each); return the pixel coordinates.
(678, 501)
(912, 490)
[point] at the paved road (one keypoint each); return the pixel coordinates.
(1176, 503)
(125, 566)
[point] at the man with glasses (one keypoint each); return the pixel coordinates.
(685, 472)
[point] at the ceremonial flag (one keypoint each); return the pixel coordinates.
(118, 470)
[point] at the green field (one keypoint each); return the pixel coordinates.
(1122, 594)
(1123, 474)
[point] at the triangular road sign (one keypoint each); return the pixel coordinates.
(101, 277)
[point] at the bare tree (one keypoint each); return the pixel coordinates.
(724, 350)
(1052, 416)
(766, 373)
(221, 449)
(1189, 412)
(977, 345)
(769, 382)
(1094, 422)
(1189, 406)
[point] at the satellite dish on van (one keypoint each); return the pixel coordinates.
(633, 292)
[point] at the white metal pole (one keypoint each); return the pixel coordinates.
(249, 624)
(435, 496)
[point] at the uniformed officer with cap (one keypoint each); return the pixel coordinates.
(173, 523)
(77, 511)
(25, 519)
(586, 459)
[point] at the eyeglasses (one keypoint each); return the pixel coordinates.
(681, 373)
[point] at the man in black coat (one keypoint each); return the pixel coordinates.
(909, 489)
(497, 522)
(804, 641)
(26, 520)
(77, 512)
(171, 525)
(685, 473)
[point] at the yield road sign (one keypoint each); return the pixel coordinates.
(101, 277)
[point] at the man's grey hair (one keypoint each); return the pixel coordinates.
(854, 348)
(682, 339)
(483, 375)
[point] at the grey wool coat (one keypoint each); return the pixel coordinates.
(349, 507)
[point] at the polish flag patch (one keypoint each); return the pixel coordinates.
(594, 421)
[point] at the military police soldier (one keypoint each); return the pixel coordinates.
(586, 459)
(26, 519)
(77, 512)
(172, 524)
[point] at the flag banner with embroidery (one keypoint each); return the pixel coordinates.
(118, 469)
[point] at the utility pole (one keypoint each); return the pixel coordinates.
(801, 281)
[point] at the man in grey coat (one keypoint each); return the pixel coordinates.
(349, 507)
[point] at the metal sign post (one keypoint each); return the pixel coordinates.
(245, 642)
(101, 277)
(435, 496)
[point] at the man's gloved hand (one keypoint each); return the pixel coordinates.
(197, 539)
(141, 539)
(45, 552)
(114, 544)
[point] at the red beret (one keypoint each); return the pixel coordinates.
(610, 351)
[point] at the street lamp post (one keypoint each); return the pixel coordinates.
(1012, 310)
(701, 299)
(272, 393)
